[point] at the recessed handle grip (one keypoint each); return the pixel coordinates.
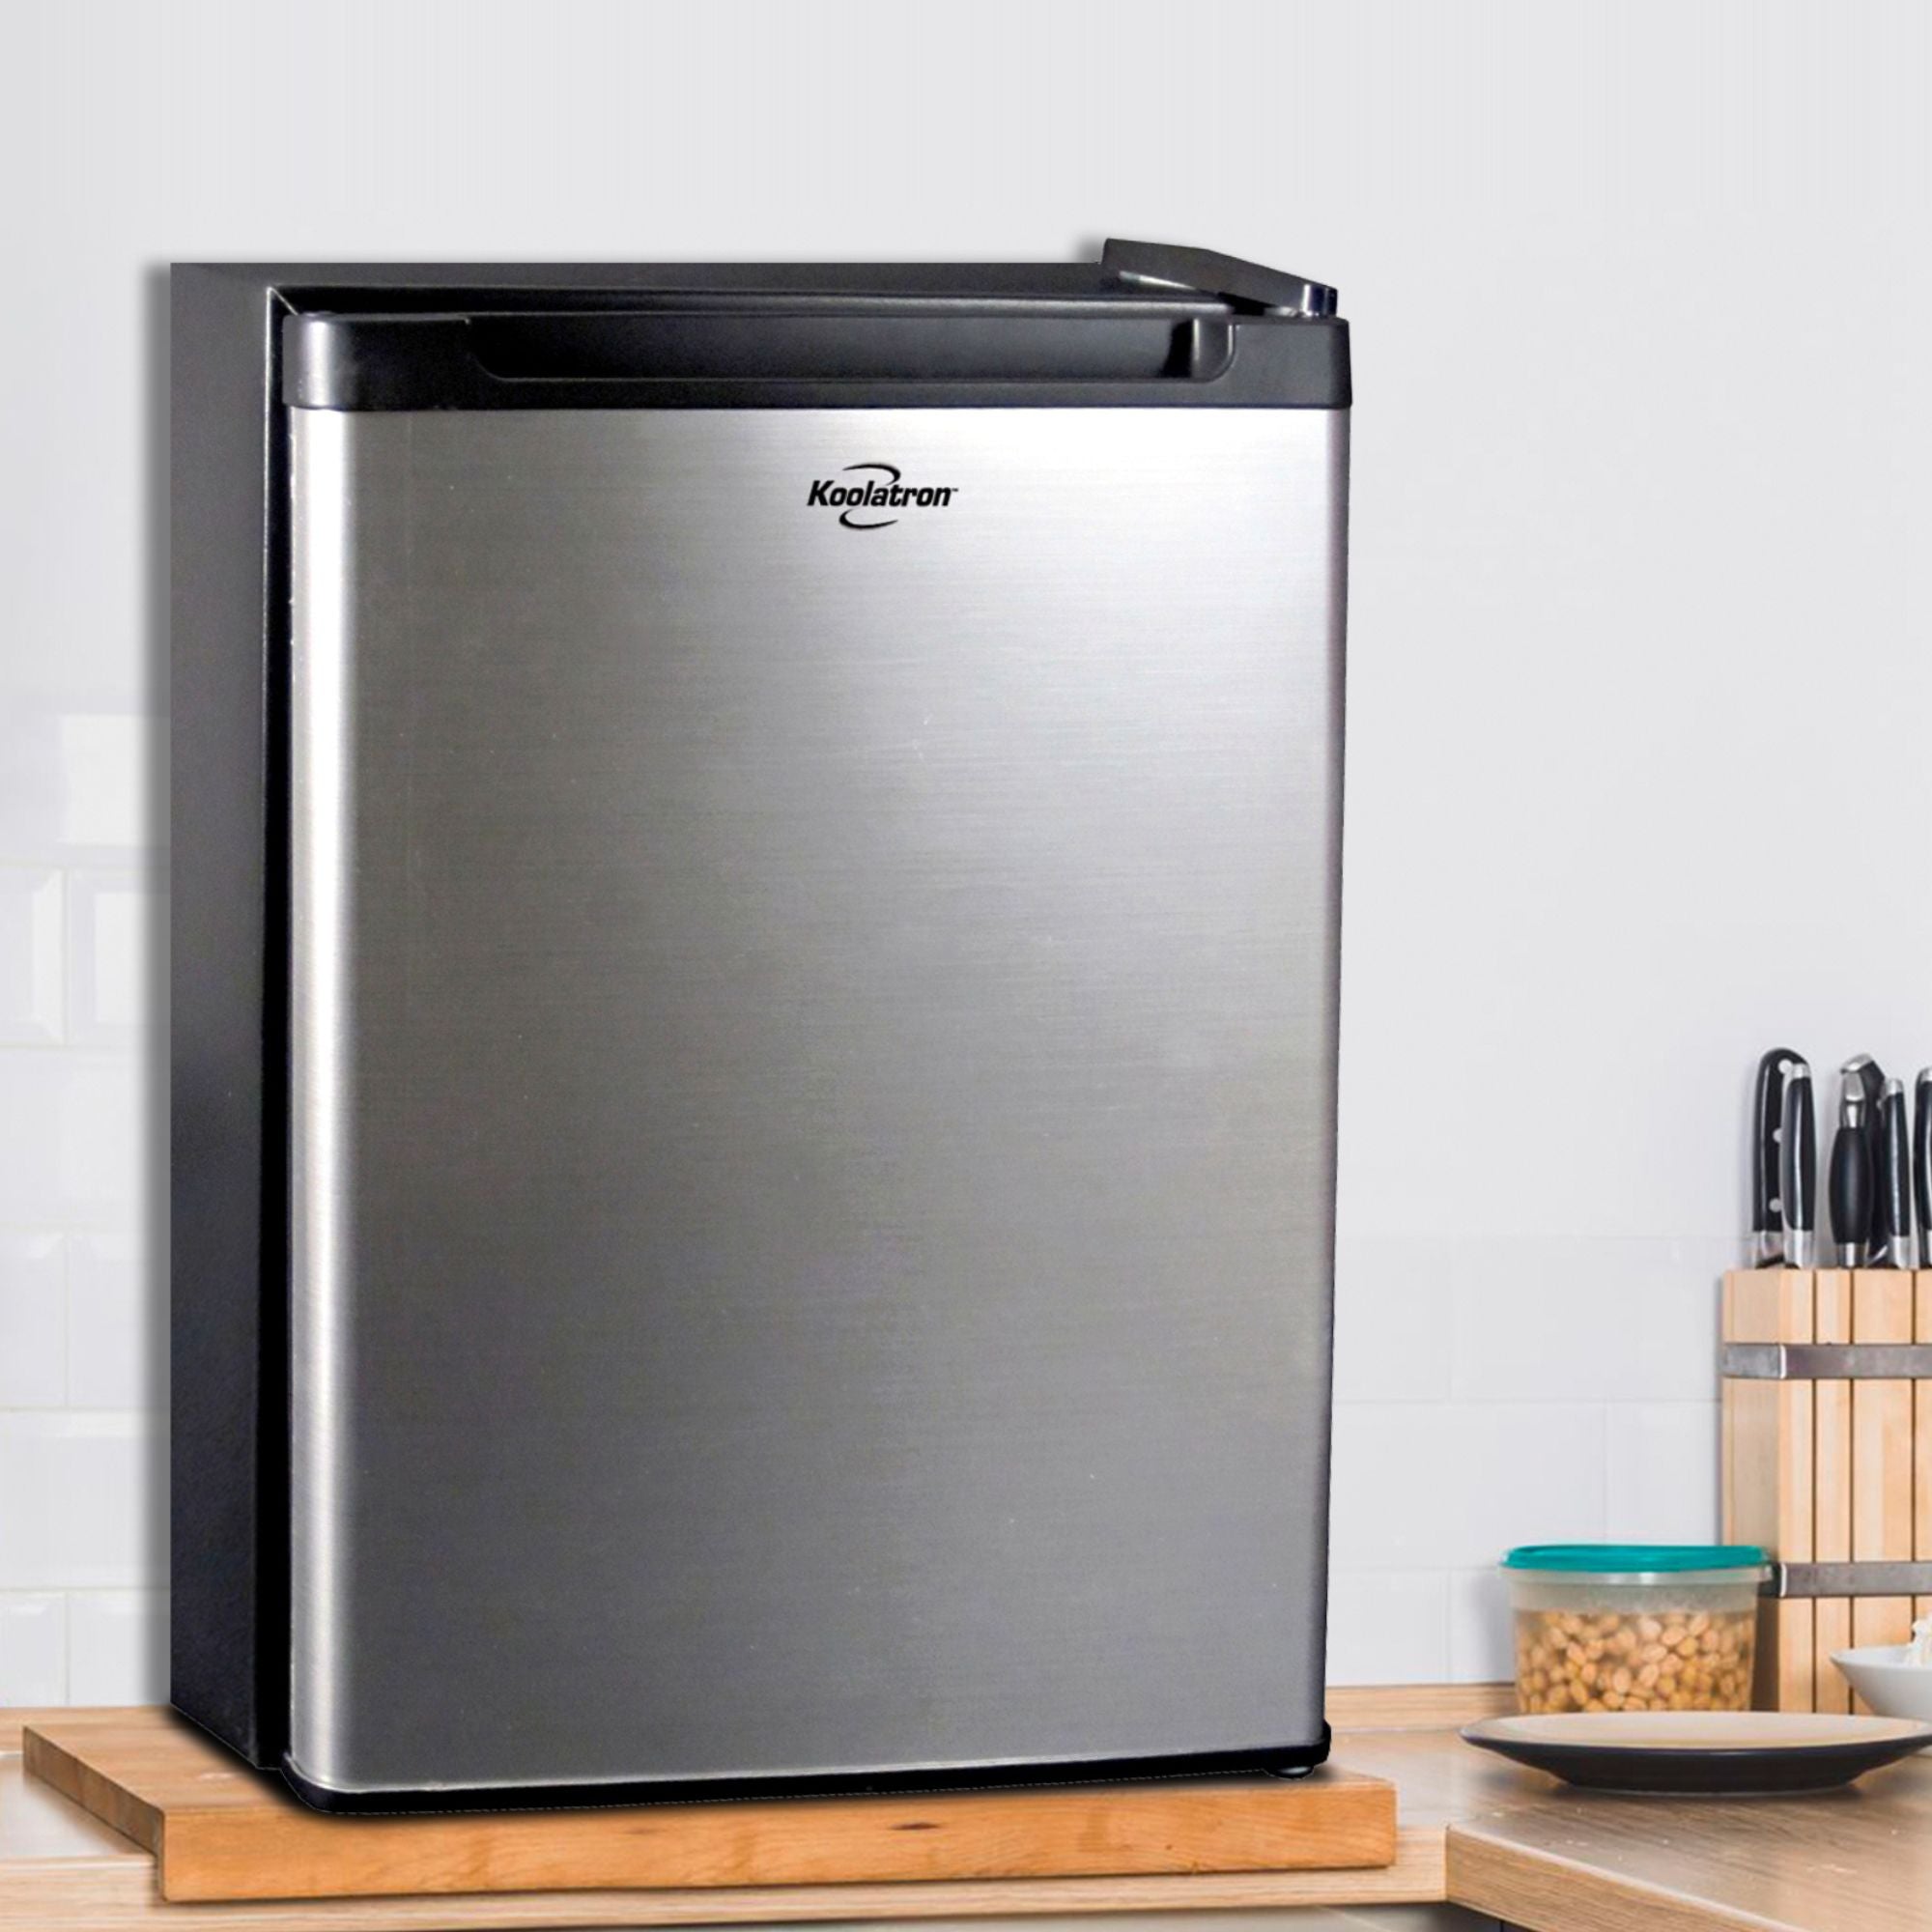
(569, 359)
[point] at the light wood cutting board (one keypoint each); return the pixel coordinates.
(222, 1831)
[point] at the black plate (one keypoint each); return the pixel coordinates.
(1712, 1753)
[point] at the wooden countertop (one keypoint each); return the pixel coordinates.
(1475, 1831)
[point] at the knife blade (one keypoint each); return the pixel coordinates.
(1852, 1187)
(1767, 1228)
(1798, 1173)
(1892, 1226)
(1921, 1166)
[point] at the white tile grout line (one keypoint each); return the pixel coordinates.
(141, 1035)
(129, 1223)
(93, 1409)
(93, 1412)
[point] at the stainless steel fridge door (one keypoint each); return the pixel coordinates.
(814, 1089)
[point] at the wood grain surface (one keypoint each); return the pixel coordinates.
(1832, 1492)
(1767, 1451)
(222, 1831)
(1410, 1707)
(1854, 1861)
(1484, 1833)
(1882, 1455)
(1921, 1439)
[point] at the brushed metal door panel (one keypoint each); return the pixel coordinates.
(815, 1082)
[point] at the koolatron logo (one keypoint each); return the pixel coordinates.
(879, 489)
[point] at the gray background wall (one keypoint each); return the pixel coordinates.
(1640, 676)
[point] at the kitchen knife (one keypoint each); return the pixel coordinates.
(1921, 1166)
(1893, 1224)
(1852, 1187)
(1870, 1076)
(1798, 1178)
(1767, 1241)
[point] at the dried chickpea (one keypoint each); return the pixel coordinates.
(1700, 1661)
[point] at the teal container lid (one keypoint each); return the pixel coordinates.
(1657, 1559)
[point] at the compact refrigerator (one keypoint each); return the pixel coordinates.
(758, 869)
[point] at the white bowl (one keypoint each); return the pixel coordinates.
(1880, 1674)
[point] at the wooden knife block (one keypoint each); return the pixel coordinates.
(1828, 1470)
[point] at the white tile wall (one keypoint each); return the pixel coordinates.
(111, 917)
(116, 1643)
(106, 763)
(76, 1488)
(33, 1321)
(1491, 1391)
(116, 1348)
(29, 954)
(1393, 1327)
(1660, 1459)
(78, 786)
(1389, 1627)
(1479, 1626)
(83, 1613)
(1585, 1321)
(74, 1137)
(33, 1647)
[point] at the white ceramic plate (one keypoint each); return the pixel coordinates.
(1714, 1752)
(1880, 1674)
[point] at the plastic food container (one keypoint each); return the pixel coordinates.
(1634, 1626)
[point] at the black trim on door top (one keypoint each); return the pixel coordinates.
(771, 356)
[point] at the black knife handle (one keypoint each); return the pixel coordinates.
(1853, 1193)
(1871, 1076)
(1894, 1178)
(1921, 1166)
(1797, 1186)
(1767, 1126)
